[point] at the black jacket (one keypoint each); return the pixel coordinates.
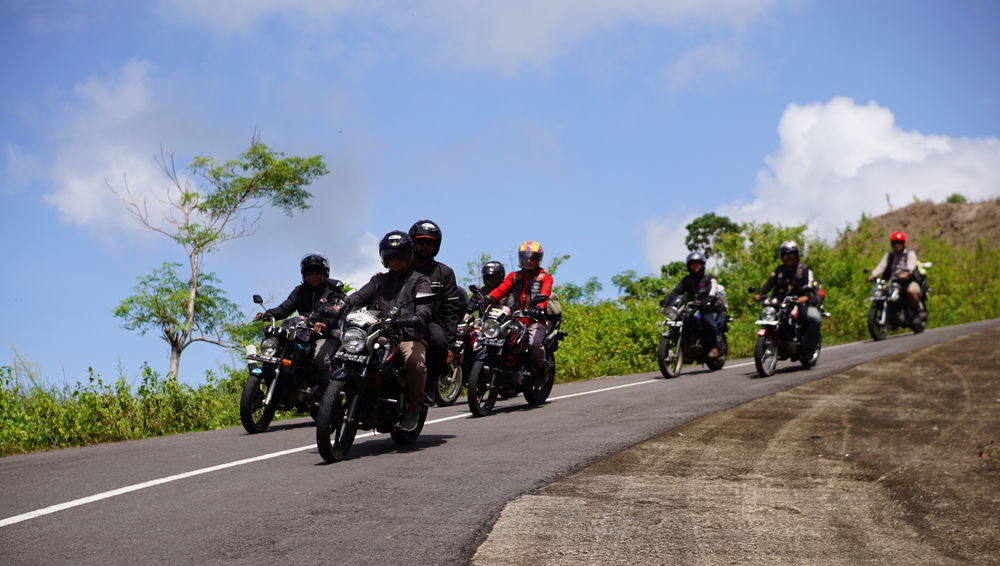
(388, 290)
(449, 306)
(797, 281)
(701, 287)
(305, 300)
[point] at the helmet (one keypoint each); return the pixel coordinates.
(897, 237)
(395, 244)
(693, 257)
(313, 262)
(493, 273)
(529, 250)
(427, 229)
(788, 247)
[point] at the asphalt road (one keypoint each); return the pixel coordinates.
(228, 497)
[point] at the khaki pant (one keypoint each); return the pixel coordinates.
(415, 359)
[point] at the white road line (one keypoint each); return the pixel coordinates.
(152, 483)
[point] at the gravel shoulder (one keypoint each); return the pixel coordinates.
(878, 465)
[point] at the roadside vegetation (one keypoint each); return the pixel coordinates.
(607, 337)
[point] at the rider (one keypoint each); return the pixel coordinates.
(702, 288)
(901, 265)
(316, 290)
(794, 278)
(449, 303)
(523, 285)
(493, 275)
(398, 288)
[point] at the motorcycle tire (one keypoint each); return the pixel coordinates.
(765, 355)
(811, 360)
(334, 434)
(717, 363)
(921, 323)
(449, 386)
(481, 393)
(254, 415)
(537, 396)
(670, 357)
(405, 438)
(876, 329)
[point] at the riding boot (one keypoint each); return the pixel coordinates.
(537, 376)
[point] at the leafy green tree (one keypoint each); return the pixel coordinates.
(706, 230)
(200, 219)
(585, 294)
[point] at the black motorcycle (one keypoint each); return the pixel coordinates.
(280, 373)
(368, 389)
(889, 310)
(681, 339)
(502, 367)
(781, 335)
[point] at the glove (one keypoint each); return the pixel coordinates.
(535, 312)
(410, 321)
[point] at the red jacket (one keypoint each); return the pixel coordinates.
(540, 283)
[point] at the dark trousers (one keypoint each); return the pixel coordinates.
(323, 352)
(707, 325)
(437, 353)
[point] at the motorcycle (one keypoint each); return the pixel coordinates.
(781, 335)
(279, 373)
(368, 389)
(465, 346)
(681, 340)
(502, 367)
(889, 310)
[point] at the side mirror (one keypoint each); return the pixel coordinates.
(258, 299)
(424, 298)
(751, 289)
(538, 299)
(866, 270)
(475, 289)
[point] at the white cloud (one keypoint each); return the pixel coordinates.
(507, 36)
(663, 240)
(839, 159)
(694, 65)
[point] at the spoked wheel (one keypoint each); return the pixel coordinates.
(875, 327)
(449, 385)
(404, 438)
(536, 395)
(254, 415)
(481, 391)
(765, 355)
(334, 435)
(717, 363)
(670, 357)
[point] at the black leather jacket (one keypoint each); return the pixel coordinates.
(388, 290)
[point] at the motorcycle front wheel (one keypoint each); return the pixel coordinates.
(765, 355)
(254, 414)
(875, 327)
(481, 393)
(537, 396)
(449, 385)
(717, 363)
(670, 357)
(811, 360)
(334, 434)
(404, 438)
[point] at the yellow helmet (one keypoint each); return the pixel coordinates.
(530, 250)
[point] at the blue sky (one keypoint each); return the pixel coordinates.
(597, 128)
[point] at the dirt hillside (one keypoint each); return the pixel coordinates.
(960, 224)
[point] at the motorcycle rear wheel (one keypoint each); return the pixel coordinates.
(334, 435)
(404, 438)
(811, 360)
(876, 329)
(538, 396)
(670, 357)
(254, 415)
(765, 355)
(481, 393)
(717, 363)
(449, 386)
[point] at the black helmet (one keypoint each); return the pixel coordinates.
(788, 247)
(395, 244)
(313, 262)
(427, 229)
(693, 257)
(493, 273)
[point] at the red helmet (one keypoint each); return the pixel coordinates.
(897, 237)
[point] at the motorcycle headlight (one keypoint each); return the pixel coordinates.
(269, 347)
(491, 328)
(353, 340)
(769, 313)
(671, 313)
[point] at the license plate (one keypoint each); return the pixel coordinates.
(351, 357)
(492, 341)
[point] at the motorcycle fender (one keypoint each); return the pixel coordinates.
(343, 374)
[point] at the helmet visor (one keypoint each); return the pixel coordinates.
(529, 256)
(392, 254)
(492, 280)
